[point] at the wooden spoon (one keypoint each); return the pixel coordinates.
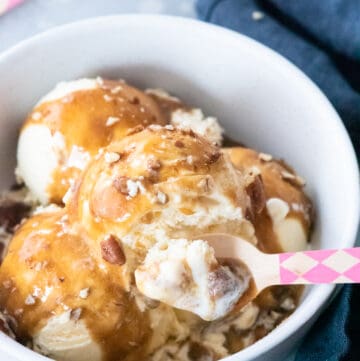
(306, 267)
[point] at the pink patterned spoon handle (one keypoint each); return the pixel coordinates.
(323, 266)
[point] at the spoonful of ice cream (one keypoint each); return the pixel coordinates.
(306, 267)
(220, 273)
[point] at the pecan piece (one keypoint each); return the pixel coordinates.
(139, 128)
(179, 144)
(111, 251)
(212, 157)
(120, 184)
(256, 192)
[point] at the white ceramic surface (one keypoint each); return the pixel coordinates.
(259, 98)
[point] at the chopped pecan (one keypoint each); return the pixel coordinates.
(179, 144)
(75, 314)
(256, 192)
(111, 250)
(134, 100)
(120, 184)
(221, 282)
(212, 157)
(153, 164)
(139, 128)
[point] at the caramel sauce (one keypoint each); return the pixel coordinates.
(46, 255)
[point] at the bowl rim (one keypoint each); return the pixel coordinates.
(318, 295)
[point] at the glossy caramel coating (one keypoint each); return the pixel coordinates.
(47, 266)
(275, 186)
(157, 169)
(81, 118)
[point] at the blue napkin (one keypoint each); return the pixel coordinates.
(323, 39)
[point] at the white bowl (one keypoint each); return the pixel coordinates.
(259, 97)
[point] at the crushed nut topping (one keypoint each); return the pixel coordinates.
(30, 300)
(300, 181)
(287, 175)
(135, 130)
(179, 144)
(37, 291)
(254, 171)
(153, 164)
(75, 314)
(18, 311)
(161, 197)
(265, 157)
(135, 101)
(84, 293)
(120, 184)
(111, 121)
(107, 98)
(116, 89)
(213, 157)
(293, 179)
(154, 127)
(111, 250)
(190, 160)
(112, 157)
(133, 188)
(40, 265)
(256, 192)
(205, 184)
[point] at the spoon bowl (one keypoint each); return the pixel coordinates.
(306, 267)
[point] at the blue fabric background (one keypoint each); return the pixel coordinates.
(321, 37)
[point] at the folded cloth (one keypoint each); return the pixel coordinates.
(291, 28)
(323, 39)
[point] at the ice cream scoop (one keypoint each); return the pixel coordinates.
(161, 183)
(70, 124)
(285, 222)
(69, 304)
